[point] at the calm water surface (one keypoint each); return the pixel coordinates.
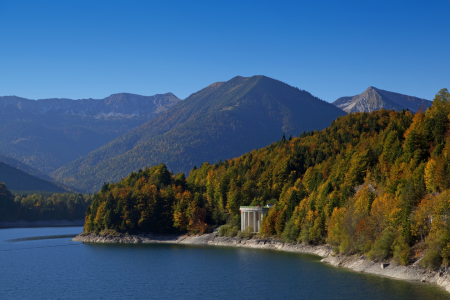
(38, 264)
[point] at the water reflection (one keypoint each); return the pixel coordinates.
(44, 237)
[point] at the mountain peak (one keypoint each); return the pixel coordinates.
(221, 121)
(123, 94)
(374, 99)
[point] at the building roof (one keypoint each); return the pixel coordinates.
(265, 206)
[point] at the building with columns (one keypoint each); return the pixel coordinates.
(251, 216)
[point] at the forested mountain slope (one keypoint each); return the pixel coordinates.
(224, 120)
(374, 99)
(46, 134)
(16, 179)
(23, 167)
(374, 183)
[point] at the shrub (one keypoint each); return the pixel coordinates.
(248, 233)
(432, 259)
(228, 230)
(382, 249)
(345, 245)
(290, 234)
(232, 231)
(223, 229)
(402, 251)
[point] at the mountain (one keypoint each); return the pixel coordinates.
(123, 105)
(46, 134)
(223, 120)
(374, 184)
(23, 167)
(18, 180)
(374, 99)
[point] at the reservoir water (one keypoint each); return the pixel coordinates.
(43, 263)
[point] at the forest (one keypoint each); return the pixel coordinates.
(221, 121)
(42, 206)
(373, 183)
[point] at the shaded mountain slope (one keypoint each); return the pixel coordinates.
(48, 133)
(18, 180)
(23, 167)
(221, 121)
(374, 99)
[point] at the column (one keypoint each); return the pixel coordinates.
(242, 220)
(246, 220)
(254, 221)
(258, 221)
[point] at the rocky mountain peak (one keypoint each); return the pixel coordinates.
(374, 99)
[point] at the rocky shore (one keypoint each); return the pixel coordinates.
(357, 263)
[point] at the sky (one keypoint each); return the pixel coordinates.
(91, 49)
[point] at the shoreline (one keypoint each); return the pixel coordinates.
(42, 223)
(358, 263)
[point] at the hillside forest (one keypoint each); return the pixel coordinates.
(41, 206)
(221, 121)
(375, 183)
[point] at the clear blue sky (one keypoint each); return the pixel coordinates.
(91, 49)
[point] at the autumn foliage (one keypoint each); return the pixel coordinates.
(375, 183)
(153, 200)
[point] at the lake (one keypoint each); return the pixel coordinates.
(37, 263)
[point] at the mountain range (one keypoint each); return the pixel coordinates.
(221, 121)
(84, 143)
(375, 99)
(49, 133)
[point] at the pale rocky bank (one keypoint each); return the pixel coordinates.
(357, 263)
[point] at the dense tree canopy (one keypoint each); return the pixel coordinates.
(6, 203)
(145, 202)
(375, 183)
(45, 206)
(41, 206)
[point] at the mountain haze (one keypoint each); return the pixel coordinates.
(23, 167)
(16, 179)
(223, 120)
(374, 99)
(46, 134)
(127, 105)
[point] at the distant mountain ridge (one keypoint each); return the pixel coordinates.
(374, 99)
(46, 134)
(223, 120)
(16, 179)
(115, 105)
(24, 168)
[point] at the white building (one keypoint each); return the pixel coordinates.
(251, 216)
